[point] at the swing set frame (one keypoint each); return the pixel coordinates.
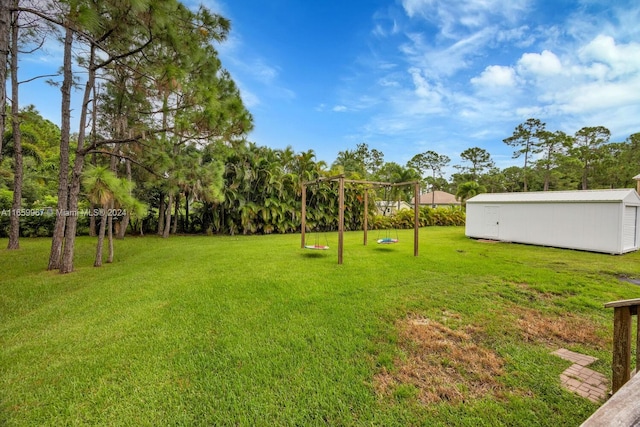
(368, 185)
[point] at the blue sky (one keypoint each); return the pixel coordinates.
(444, 75)
(407, 76)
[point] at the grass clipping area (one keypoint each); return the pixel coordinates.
(568, 329)
(440, 364)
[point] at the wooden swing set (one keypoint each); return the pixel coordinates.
(368, 184)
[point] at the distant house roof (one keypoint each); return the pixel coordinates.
(618, 195)
(438, 198)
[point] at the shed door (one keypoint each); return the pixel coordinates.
(629, 228)
(492, 221)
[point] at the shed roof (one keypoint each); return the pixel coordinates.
(626, 195)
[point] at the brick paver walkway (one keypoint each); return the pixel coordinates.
(580, 379)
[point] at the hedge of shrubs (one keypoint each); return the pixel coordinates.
(428, 216)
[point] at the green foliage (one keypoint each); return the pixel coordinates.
(428, 216)
(443, 216)
(479, 159)
(102, 185)
(469, 189)
(6, 200)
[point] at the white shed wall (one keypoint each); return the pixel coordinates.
(576, 225)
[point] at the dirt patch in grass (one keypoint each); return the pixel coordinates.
(554, 329)
(440, 364)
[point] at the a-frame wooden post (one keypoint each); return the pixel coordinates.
(416, 217)
(340, 218)
(303, 218)
(365, 221)
(341, 181)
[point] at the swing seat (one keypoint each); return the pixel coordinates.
(387, 241)
(317, 247)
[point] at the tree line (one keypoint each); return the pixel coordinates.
(162, 142)
(153, 87)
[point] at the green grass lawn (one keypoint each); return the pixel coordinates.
(256, 331)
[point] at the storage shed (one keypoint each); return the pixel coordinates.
(593, 220)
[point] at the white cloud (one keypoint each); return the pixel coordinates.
(249, 98)
(453, 16)
(602, 76)
(262, 72)
(416, 7)
(495, 76)
(445, 60)
(544, 64)
(385, 29)
(620, 59)
(421, 85)
(339, 108)
(388, 82)
(594, 96)
(522, 36)
(230, 46)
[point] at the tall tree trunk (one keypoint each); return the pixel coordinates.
(174, 228)
(5, 31)
(525, 169)
(92, 220)
(161, 209)
(167, 217)
(66, 266)
(103, 225)
(110, 231)
(63, 174)
(111, 204)
(124, 223)
(186, 212)
(94, 119)
(547, 175)
(14, 222)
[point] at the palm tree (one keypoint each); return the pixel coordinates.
(101, 185)
(104, 189)
(469, 189)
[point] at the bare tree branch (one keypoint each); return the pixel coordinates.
(38, 77)
(132, 160)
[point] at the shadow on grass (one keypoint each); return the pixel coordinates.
(385, 248)
(315, 254)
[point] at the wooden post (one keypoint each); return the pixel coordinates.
(621, 347)
(416, 217)
(621, 366)
(340, 218)
(303, 216)
(637, 340)
(365, 222)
